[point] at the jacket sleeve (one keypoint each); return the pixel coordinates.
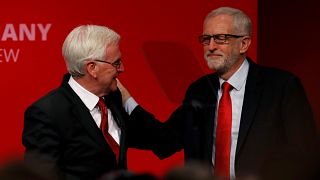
(146, 132)
(297, 115)
(296, 156)
(40, 138)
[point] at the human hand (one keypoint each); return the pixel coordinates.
(124, 92)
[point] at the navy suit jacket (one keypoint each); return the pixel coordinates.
(60, 129)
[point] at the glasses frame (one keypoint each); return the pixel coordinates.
(218, 38)
(115, 64)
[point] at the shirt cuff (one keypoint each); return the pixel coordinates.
(130, 105)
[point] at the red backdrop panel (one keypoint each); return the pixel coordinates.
(160, 52)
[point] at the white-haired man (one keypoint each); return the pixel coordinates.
(79, 127)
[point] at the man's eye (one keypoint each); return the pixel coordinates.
(221, 37)
(206, 38)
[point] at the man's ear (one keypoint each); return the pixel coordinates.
(245, 43)
(91, 69)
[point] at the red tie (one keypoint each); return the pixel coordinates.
(223, 134)
(104, 128)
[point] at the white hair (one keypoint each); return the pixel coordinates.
(86, 42)
(241, 22)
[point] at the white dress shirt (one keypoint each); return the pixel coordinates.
(238, 82)
(91, 102)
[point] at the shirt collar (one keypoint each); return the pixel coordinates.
(89, 99)
(237, 80)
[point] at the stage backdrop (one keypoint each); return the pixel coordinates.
(160, 52)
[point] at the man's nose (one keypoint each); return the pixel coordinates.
(212, 45)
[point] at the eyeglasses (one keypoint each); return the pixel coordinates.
(218, 38)
(115, 64)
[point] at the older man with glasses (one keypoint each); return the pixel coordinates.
(79, 128)
(245, 120)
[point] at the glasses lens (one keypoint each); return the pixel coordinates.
(220, 38)
(117, 63)
(205, 39)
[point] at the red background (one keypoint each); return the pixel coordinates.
(160, 52)
(288, 33)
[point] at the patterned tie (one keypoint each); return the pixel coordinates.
(223, 134)
(104, 128)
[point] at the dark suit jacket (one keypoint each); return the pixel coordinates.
(276, 128)
(60, 129)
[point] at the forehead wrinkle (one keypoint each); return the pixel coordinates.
(221, 24)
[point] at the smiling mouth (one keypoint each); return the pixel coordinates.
(215, 55)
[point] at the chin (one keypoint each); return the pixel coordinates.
(214, 65)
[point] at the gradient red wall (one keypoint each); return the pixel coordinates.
(289, 39)
(160, 52)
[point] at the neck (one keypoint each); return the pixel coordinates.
(89, 84)
(225, 76)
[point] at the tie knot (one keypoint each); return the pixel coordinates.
(226, 87)
(101, 104)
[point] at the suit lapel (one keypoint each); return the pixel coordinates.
(209, 114)
(81, 112)
(112, 101)
(251, 98)
(85, 118)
